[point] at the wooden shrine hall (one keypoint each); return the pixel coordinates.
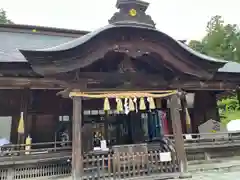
(128, 58)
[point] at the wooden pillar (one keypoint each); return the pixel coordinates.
(177, 132)
(27, 121)
(24, 105)
(186, 122)
(77, 139)
(106, 122)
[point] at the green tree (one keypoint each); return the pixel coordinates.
(221, 40)
(3, 17)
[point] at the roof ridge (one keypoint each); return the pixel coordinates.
(44, 28)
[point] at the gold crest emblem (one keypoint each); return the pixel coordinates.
(132, 12)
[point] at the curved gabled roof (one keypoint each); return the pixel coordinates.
(130, 29)
(202, 56)
(91, 35)
(49, 55)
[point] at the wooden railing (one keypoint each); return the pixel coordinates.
(210, 140)
(35, 148)
(191, 141)
(209, 136)
(39, 152)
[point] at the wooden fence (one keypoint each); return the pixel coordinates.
(49, 159)
(112, 166)
(126, 165)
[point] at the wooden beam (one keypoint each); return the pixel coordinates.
(32, 83)
(127, 82)
(153, 85)
(110, 76)
(77, 164)
(226, 76)
(203, 85)
(99, 80)
(64, 93)
(177, 132)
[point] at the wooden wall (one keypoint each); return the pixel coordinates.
(205, 108)
(42, 109)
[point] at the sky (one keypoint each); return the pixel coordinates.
(181, 19)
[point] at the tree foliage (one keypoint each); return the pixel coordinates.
(3, 17)
(221, 40)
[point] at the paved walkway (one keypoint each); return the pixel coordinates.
(218, 175)
(224, 169)
(223, 164)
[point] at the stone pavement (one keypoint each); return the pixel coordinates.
(222, 169)
(220, 164)
(217, 175)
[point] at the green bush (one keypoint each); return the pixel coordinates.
(229, 109)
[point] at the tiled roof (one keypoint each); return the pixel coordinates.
(14, 37)
(40, 29)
